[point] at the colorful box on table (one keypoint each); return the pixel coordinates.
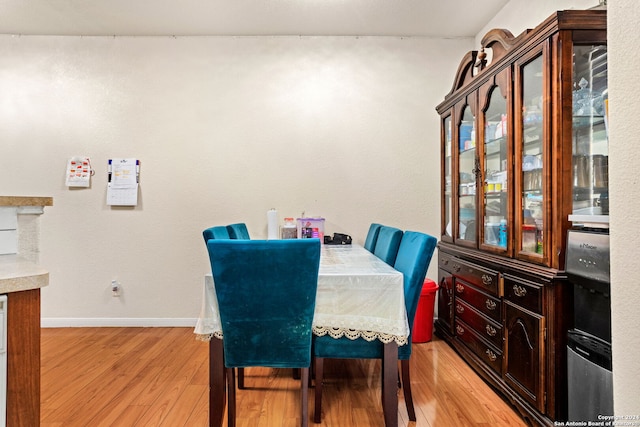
(309, 228)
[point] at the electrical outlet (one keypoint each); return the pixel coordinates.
(115, 288)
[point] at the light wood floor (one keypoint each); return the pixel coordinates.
(159, 377)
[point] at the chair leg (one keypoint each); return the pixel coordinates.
(295, 374)
(317, 411)
(231, 401)
(406, 385)
(304, 392)
(241, 379)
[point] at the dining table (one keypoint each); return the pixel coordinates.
(358, 296)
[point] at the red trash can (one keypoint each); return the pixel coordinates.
(423, 322)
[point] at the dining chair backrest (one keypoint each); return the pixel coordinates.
(372, 237)
(217, 232)
(414, 256)
(387, 244)
(238, 231)
(266, 293)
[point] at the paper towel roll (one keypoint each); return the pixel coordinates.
(272, 224)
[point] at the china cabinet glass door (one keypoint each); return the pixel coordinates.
(447, 198)
(467, 168)
(532, 149)
(494, 173)
(590, 132)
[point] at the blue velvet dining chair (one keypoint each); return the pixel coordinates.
(238, 231)
(372, 237)
(414, 257)
(222, 232)
(266, 294)
(217, 232)
(387, 244)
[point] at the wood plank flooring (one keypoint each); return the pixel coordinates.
(159, 377)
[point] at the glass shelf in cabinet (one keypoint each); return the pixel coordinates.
(494, 146)
(494, 118)
(588, 121)
(582, 194)
(468, 150)
(532, 127)
(528, 126)
(532, 138)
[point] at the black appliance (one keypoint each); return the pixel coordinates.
(589, 366)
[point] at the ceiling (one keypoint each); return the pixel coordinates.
(429, 18)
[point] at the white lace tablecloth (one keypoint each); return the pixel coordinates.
(359, 295)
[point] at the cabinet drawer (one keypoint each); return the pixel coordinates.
(446, 262)
(485, 351)
(523, 293)
(476, 275)
(483, 302)
(484, 327)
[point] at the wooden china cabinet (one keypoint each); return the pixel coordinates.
(511, 131)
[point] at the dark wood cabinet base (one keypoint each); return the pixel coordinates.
(531, 415)
(515, 337)
(23, 358)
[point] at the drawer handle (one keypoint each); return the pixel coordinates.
(519, 291)
(459, 309)
(486, 279)
(459, 330)
(459, 288)
(490, 304)
(492, 356)
(491, 331)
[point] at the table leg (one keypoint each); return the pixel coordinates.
(390, 384)
(217, 383)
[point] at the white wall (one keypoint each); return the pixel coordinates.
(225, 128)
(624, 91)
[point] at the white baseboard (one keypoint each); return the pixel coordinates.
(91, 322)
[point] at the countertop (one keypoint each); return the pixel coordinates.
(19, 274)
(25, 201)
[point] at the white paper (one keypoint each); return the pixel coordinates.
(122, 196)
(78, 172)
(122, 189)
(124, 173)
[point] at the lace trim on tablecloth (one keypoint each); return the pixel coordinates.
(207, 337)
(354, 334)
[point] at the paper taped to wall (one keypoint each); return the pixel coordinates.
(123, 177)
(78, 172)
